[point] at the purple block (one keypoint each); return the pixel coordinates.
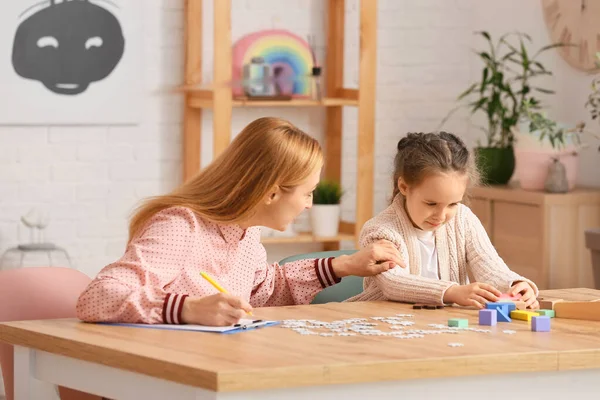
(488, 317)
(540, 323)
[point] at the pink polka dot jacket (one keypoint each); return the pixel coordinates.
(162, 264)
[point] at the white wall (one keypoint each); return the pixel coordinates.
(91, 177)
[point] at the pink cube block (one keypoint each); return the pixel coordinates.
(488, 317)
(540, 323)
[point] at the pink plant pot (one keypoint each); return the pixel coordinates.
(531, 167)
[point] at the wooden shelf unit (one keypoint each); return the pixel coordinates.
(220, 100)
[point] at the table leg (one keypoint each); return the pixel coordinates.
(23, 368)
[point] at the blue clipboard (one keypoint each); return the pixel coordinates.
(242, 326)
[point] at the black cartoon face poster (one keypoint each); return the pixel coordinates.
(70, 61)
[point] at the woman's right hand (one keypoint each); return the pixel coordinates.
(219, 309)
(474, 294)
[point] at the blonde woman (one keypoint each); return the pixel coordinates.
(264, 178)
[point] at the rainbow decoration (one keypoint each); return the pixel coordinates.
(279, 48)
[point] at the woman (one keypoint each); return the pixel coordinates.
(264, 178)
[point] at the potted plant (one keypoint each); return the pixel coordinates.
(325, 212)
(505, 84)
(541, 142)
(593, 101)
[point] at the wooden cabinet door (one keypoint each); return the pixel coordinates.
(482, 208)
(518, 238)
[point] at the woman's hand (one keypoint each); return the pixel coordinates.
(527, 294)
(474, 294)
(374, 259)
(219, 309)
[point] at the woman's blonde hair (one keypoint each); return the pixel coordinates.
(268, 153)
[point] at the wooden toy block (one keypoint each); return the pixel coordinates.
(427, 306)
(540, 323)
(546, 313)
(494, 305)
(488, 317)
(523, 315)
(458, 323)
(508, 297)
(585, 310)
(503, 310)
(548, 304)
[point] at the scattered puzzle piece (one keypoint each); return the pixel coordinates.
(488, 317)
(540, 323)
(523, 315)
(458, 323)
(455, 344)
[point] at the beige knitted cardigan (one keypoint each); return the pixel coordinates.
(465, 254)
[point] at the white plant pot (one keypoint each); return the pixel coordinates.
(325, 219)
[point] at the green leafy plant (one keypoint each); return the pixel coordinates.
(327, 192)
(505, 84)
(557, 135)
(593, 101)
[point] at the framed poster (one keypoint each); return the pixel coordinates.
(70, 62)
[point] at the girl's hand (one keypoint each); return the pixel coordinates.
(374, 259)
(475, 294)
(527, 294)
(219, 309)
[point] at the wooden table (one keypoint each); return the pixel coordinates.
(276, 363)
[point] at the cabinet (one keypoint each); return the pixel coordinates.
(541, 235)
(220, 100)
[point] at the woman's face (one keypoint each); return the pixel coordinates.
(281, 207)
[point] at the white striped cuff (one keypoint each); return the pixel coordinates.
(172, 308)
(324, 269)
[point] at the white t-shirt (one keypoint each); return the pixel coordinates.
(429, 261)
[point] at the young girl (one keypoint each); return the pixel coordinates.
(442, 242)
(211, 223)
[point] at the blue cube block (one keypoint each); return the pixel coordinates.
(540, 323)
(488, 317)
(509, 304)
(502, 309)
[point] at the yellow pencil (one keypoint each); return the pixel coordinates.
(215, 284)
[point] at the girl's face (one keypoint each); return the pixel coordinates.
(434, 201)
(281, 207)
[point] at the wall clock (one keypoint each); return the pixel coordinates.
(576, 22)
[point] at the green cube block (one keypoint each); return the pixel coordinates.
(458, 322)
(546, 313)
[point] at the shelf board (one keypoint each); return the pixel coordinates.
(203, 99)
(307, 238)
(325, 102)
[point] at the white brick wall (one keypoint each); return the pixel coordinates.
(90, 178)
